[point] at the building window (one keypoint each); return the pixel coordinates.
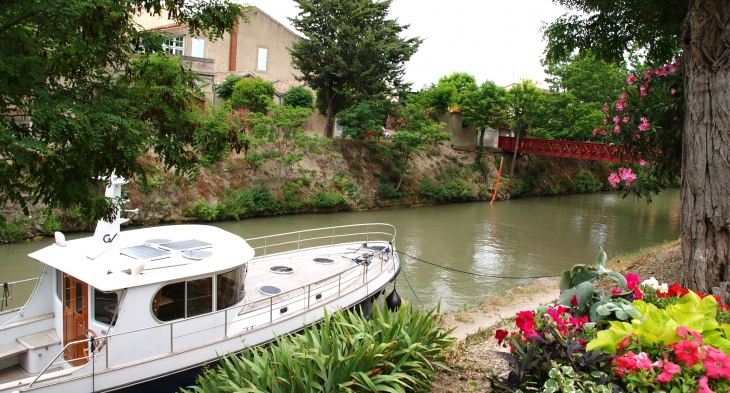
(262, 59)
(105, 306)
(198, 48)
(175, 46)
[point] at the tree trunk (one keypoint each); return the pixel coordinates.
(705, 200)
(329, 128)
(514, 156)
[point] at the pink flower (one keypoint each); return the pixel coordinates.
(605, 121)
(686, 352)
(616, 291)
(631, 79)
(703, 386)
(648, 74)
(683, 332)
(668, 371)
(620, 105)
(616, 119)
(605, 107)
(661, 71)
(671, 68)
(624, 95)
(642, 90)
(627, 175)
(672, 91)
(644, 126)
(716, 363)
(596, 131)
(642, 162)
(614, 180)
(616, 129)
(625, 119)
(632, 279)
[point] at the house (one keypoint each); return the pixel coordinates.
(257, 49)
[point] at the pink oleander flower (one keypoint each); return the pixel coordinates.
(627, 175)
(616, 129)
(624, 95)
(672, 91)
(644, 126)
(671, 68)
(631, 79)
(642, 90)
(605, 107)
(596, 131)
(642, 162)
(661, 71)
(616, 119)
(703, 386)
(625, 119)
(620, 105)
(716, 363)
(686, 352)
(668, 371)
(614, 180)
(648, 74)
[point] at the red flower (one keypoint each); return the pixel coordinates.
(526, 322)
(632, 280)
(686, 352)
(500, 335)
(675, 290)
(716, 363)
(574, 301)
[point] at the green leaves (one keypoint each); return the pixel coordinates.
(392, 352)
(77, 104)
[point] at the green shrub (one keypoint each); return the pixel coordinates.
(452, 190)
(150, 183)
(393, 352)
(519, 187)
(14, 231)
(259, 158)
(325, 199)
(388, 192)
(584, 182)
(51, 222)
(201, 210)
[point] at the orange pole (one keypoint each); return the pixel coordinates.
(496, 186)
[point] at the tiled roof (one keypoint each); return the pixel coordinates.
(283, 86)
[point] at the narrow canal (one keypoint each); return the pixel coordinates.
(517, 238)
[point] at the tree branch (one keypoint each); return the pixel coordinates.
(19, 19)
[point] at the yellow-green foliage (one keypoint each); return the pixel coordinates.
(658, 326)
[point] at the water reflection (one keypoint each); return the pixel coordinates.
(517, 238)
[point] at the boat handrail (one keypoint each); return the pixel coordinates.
(306, 290)
(333, 236)
(7, 296)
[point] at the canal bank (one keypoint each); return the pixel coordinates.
(343, 175)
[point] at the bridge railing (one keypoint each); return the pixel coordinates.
(582, 150)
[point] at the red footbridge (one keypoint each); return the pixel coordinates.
(582, 150)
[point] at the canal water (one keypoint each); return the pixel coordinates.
(529, 237)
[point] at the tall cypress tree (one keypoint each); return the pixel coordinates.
(350, 52)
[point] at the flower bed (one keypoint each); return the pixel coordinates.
(637, 337)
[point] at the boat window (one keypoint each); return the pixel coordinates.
(169, 302)
(79, 299)
(59, 284)
(200, 297)
(67, 288)
(105, 306)
(230, 287)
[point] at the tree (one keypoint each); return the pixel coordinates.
(299, 97)
(464, 85)
(362, 120)
(285, 130)
(485, 107)
(225, 88)
(253, 94)
(525, 102)
(350, 50)
(700, 28)
(77, 105)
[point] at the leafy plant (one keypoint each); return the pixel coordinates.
(325, 199)
(51, 222)
(393, 352)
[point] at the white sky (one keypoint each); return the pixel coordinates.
(496, 40)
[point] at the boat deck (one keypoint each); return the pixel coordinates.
(306, 272)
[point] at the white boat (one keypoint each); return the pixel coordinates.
(121, 310)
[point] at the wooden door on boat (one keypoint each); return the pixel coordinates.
(75, 317)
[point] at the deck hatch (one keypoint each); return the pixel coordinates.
(184, 245)
(154, 242)
(281, 269)
(325, 261)
(196, 255)
(144, 253)
(270, 290)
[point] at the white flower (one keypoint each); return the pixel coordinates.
(664, 288)
(652, 282)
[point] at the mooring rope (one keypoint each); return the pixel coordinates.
(409, 284)
(472, 273)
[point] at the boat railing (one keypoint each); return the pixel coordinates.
(323, 236)
(7, 300)
(254, 313)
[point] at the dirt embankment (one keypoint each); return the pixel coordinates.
(342, 175)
